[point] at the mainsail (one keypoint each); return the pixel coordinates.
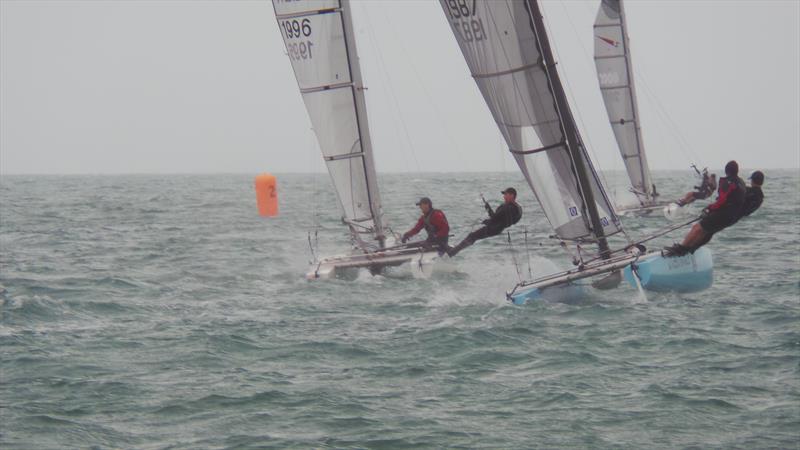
(509, 56)
(613, 60)
(320, 44)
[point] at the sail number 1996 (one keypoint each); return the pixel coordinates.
(298, 30)
(465, 24)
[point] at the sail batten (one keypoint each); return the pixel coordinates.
(500, 44)
(327, 87)
(613, 61)
(506, 72)
(306, 13)
(319, 40)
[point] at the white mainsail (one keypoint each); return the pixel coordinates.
(613, 61)
(506, 57)
(320, 44)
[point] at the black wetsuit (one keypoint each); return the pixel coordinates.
(752, 201)
(503, 217)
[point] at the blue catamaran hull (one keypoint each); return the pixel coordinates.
(562, 293)
(690, 273)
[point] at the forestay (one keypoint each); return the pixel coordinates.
(501, 48)
(320, 44)
(613, 60)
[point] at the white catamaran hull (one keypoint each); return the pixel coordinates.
(641, 211)
(689, 273)
(420, 262)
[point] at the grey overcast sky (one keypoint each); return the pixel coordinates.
(183, 86)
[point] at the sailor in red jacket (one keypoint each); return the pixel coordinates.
(435, 224)
(721, 214)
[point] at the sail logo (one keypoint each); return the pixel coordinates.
(609, 41)
(573, 211)
(608, 78)
(604, 221)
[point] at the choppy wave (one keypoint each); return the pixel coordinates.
(162, 312)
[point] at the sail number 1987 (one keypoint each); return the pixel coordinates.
(465, 24)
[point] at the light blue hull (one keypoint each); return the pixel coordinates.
(525, 296)
(562, 293)
(690, 273)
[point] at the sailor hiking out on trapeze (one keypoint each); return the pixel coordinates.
(503, 217)
(733, 202)
(705, 190)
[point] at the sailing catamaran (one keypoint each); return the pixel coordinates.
(320, 43)
(612, 59)
(505, 45)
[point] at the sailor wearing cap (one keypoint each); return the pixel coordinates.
(435, 224)
(503, 217)
(754, 196)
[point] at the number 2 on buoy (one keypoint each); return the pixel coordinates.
(267, 195)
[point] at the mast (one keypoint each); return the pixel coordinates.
(646, 179)
(574, 143)
(362, 123)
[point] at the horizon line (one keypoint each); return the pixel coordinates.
(399, 172)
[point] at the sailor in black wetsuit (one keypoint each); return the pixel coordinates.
(754, 195)
(723, 213)
(503, 217)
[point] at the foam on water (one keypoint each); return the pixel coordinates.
(160, 311)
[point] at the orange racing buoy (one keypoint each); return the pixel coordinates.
(267, 195)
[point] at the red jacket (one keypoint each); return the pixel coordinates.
(435, 223)
(731, 195)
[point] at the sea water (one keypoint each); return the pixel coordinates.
(163, 312)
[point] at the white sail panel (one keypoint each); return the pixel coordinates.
(316, 47)
(613, 61)
(316, 36)
(334, 120)
(499, 44)
(287, 7)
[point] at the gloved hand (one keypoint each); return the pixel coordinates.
(486, 221)
(404, 238)
(487, 208)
